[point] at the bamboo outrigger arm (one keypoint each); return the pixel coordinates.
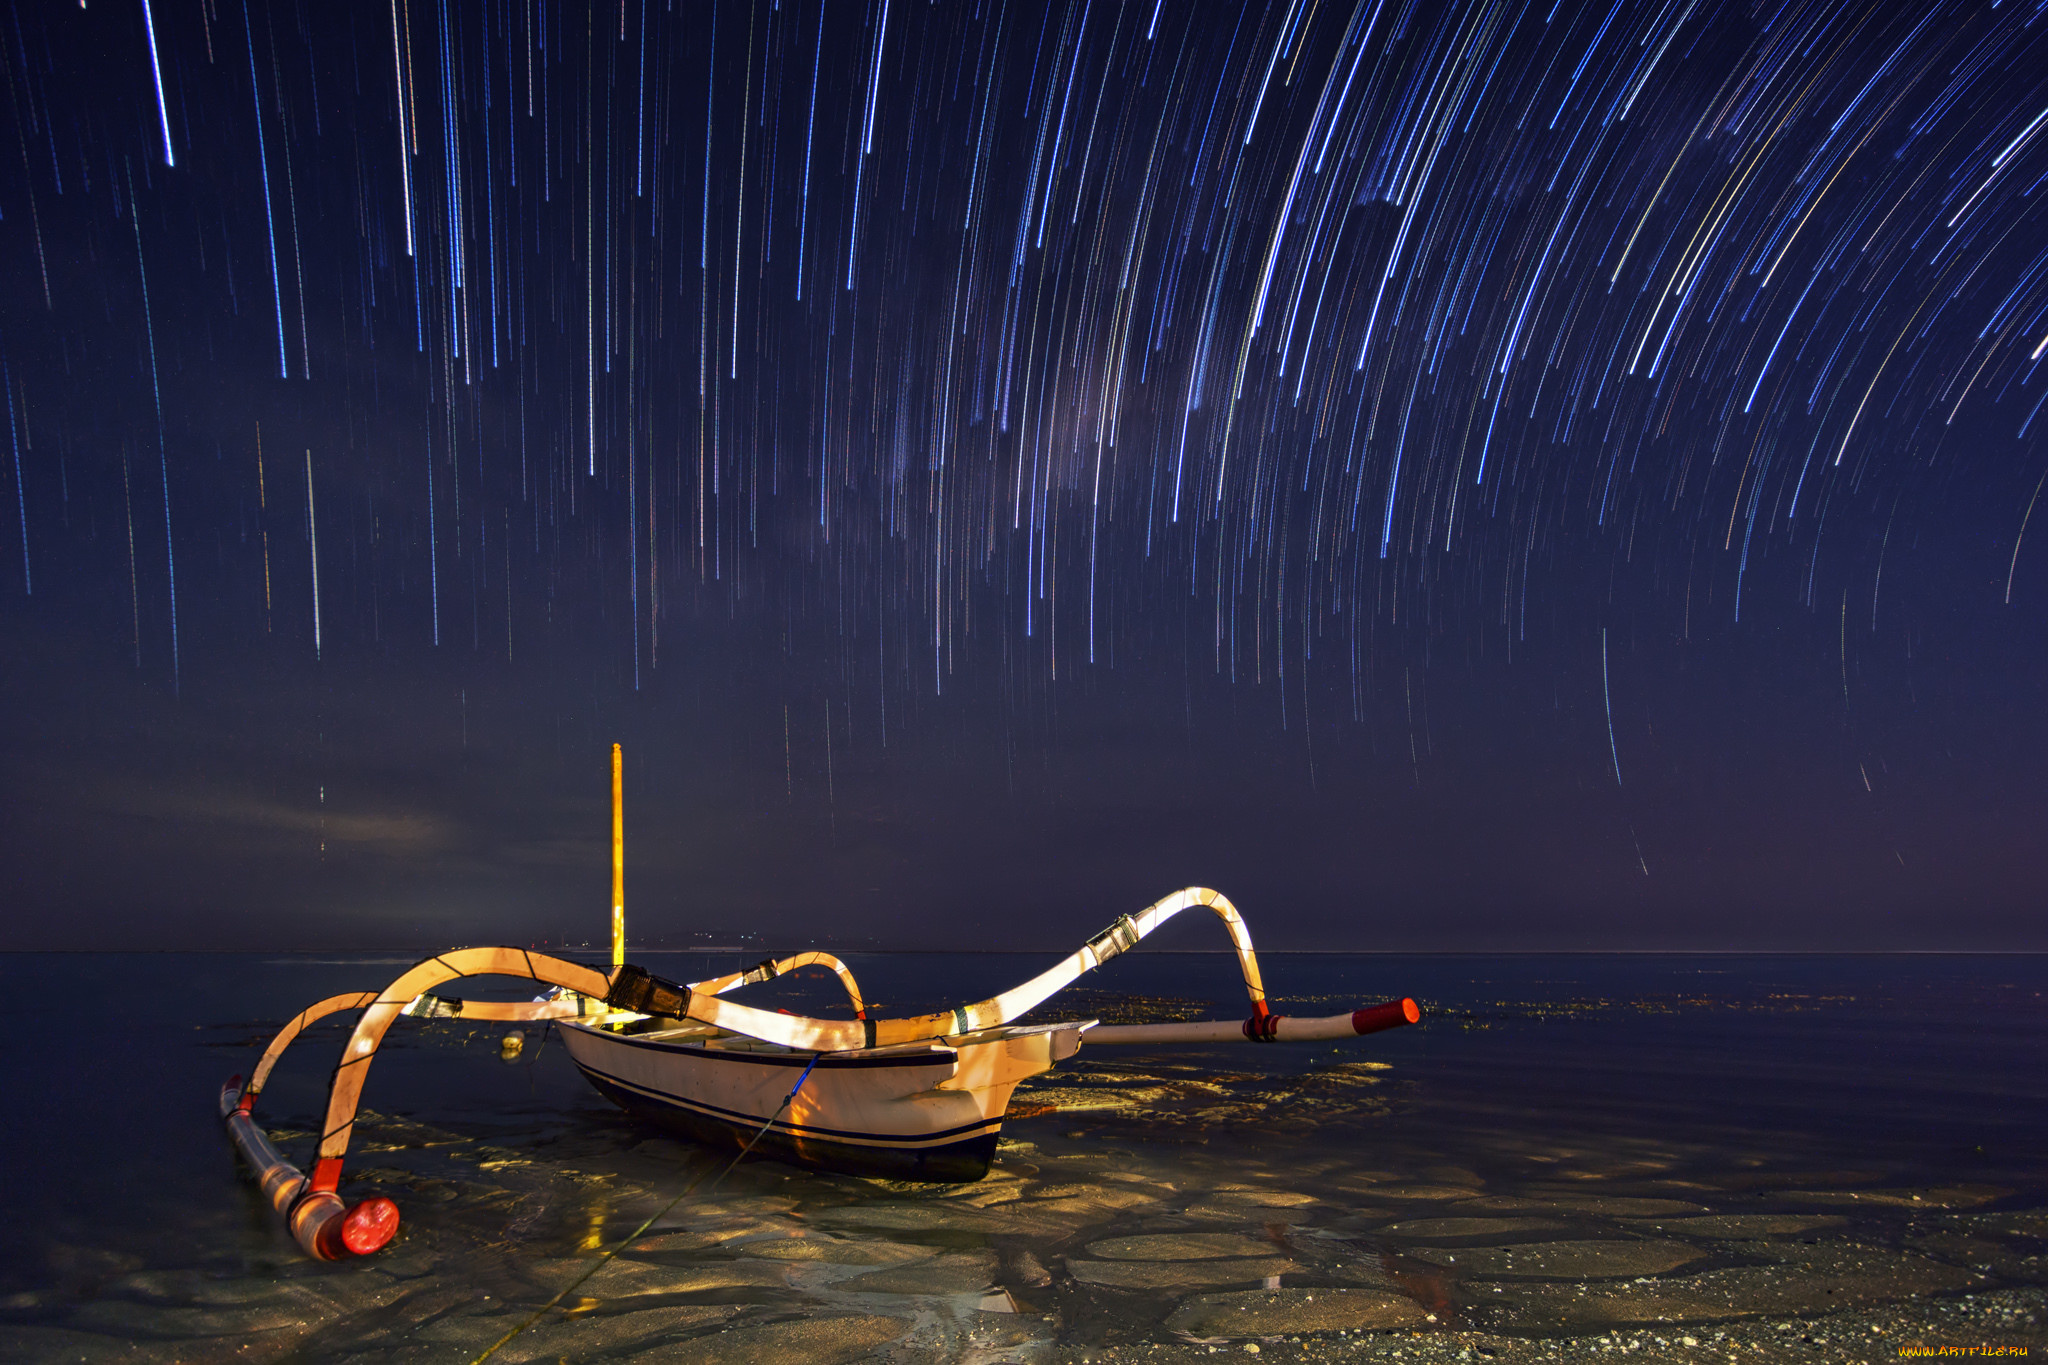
(637, 990)
(353, 1068)
(304, 1019)
(316, 1217)
(421, 1007)
(771, 968)
(310, 1207)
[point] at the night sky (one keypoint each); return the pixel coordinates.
(1491, 475)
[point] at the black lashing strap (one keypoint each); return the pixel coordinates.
(1262, 1026)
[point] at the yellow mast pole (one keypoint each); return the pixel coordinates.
(618, 859)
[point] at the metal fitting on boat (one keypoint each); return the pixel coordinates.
(642, 992)
(1117, 938)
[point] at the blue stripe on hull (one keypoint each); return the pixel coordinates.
(959, 1162)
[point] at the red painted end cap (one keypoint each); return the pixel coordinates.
(369, 1225)
(1393, 1014)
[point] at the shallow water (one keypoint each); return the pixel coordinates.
(1572, 1155)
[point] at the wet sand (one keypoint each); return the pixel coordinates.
(1091, 1240)
(1155, 1208)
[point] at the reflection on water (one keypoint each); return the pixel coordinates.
(1776, 1158)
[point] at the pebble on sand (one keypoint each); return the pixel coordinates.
(598, 1333)
(1180, 1246)
(1745, 1226)
(1424, 1193)
(1745, 1291)
(1270, 1312)
(962, 1273)
(1177, 1274)
(835, 1251)
(1609, 1206)
(1445, 1228)
(1927, 1197)
(815, 1341)
(1563, 1260)
(625, 1274)
(912, 1217)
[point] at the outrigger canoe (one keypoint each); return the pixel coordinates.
(918, 1098)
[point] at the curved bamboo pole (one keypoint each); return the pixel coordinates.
(306, 1018)
(633, 989)
(774, 967)
(312, 1211)
(422, 1007)
(353, 1068)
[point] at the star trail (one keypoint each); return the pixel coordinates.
(1283, 370)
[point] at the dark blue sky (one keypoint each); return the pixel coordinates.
(1489, 475)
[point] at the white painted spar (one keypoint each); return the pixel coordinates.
(1278, 1028)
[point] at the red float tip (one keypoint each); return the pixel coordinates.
(369, 1225)
(1393, 1014)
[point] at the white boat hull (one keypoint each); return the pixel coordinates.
(931, 1112)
